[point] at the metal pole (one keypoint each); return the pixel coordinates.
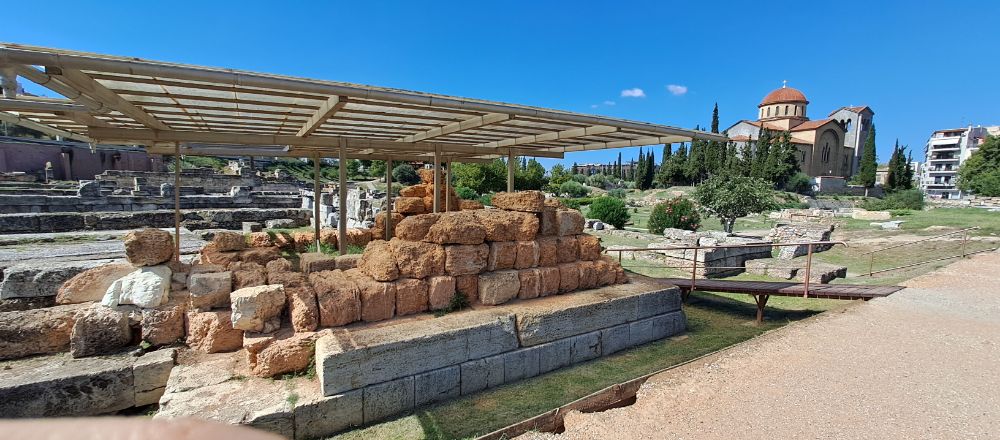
(388, 198)
(965, 238)
(694, 267)
(177, 201)
(809, 258)
(510, 171)
(342, 193)
(437, 177)
(317, 192)
(871, 263)
(447, 185)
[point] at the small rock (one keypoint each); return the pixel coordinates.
(253, 307)
(147, 287)
(210, 290)
(162, 326)
(148, 247)
(227, 241)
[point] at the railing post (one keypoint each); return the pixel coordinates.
(809, 259)
(694, 267)
(965, 238)
(871, 263)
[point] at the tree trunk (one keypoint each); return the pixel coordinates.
(727, 225)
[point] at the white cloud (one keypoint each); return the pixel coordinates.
(677, 89)
(609, 103)
(593, 105)
(633, 93)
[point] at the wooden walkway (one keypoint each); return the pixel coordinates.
(762, 290)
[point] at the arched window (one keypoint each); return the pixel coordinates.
(786, 110)
(769, 111)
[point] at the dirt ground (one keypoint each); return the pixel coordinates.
(922, 363)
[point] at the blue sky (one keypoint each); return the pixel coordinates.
(920, 65)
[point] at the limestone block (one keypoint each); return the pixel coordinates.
(357, 237)
(614, 339)
(415, 227)
(41, 279)
(260, 404)
(53, 387)
(279, 223)
(586, 347)
(411, 296)
(388, 399)
(409, 205)
(316, 262)
(606, 271)
(590, 246)
(502, 255)
(328, 236)
(378, 299)
(210, 290)
(567, 249)
(303, 240)
(652, 305)
(525, 201)
(303, 310)
(347, 262)
(150, 373)
(468, 286)
(570, 222)
(441, 289)
(547, 224)
(437, 385)
(284, 240)
(162, 326)
(278, 266)
(498, 287)
(91, 284)
(149, 247)
(480, 374)
(527, 254)
(320, 416)
(260, 255)
(348, 361)
(548, 251)
(251, 227)
(548, 281)
(530, 283)
(246, 274)
(254, 307)
(465, 259)
(36, 331)
(211, 255)
(417, 191)
(640, 332)
(525, 225)
(338, 298)
(226, 241)
(554, 355)
(520, 364)
(456, 228)
(588, 274)
(417, 259)
(99, 330)
(378, 262)
(378, 232)
(147, 287)
(569, 277)
(469, 205)
(213, 332)
(288, 353)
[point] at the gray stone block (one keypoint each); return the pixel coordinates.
(150, 373)
(586, 347)
(388, 399)
(350, 359)
(614, 339)
(480, 374)
(669, 324)
(41, 279)
(520, 364)
(56, 386)
(640, 332)
(652, 305)
(437, 385)
(324, 416)
(554, 355)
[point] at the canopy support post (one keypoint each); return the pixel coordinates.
(177, 202)
(388, 198)
(510, 170)
(447, 185)
(437, 178)
(317, 192)
(342, 193)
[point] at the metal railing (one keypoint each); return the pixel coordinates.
(965, 253)
(696, 248)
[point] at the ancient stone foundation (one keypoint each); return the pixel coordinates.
(198, 219)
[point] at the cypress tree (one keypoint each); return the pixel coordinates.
(892, 175)
(908, 184)
(745, 163)
(761, 154)
(650, 170)
(678, 165)
(869, 162)
(715, 118)
(640, 170)
(618, 166)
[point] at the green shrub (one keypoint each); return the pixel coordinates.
(609, 210)
(908, 199)
(573, 188)
(618, 193)
(466, 193)
(486, 199)
(900, 212)
(678, 213)
(579, 178)
(799, 183)
(576, 203)
(405, 174)
(598, 181)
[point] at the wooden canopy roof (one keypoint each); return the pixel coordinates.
(113, 99)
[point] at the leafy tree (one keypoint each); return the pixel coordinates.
(598, 181)
(799, 183)
(678, 213)
(558, 175)
(696, 168)
(353, 167)
(782, 161)
(376, 168)
(980, 173)
(573, 188)
(405, 174)
(609, 210)
(732, 197)
(531, 175)
(758, 162)
(869, 162)
(466, 193)
(481, 177)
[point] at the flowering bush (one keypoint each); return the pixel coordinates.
(679, 213)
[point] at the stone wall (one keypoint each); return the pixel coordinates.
(71, 160)
(192, 219)
(717, 262)
(798, 233)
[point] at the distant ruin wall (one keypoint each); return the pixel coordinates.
(71, 160)
(199, 219)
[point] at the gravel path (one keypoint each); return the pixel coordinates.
(923, 363)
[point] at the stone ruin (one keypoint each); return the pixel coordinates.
(720, 262)
(240, 309)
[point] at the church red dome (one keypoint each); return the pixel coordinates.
(782, 95)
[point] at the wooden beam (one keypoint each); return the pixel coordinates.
(38, 105)
(89, 86)
(551, 136)
(317, 195)
(38, 126)
(342, 195)
(455, 127)
(332, 105)
(388, 199)
(436, 192)
(59, 86)
(84, 118)
(640, 142)
(510, 171)
(177, 202)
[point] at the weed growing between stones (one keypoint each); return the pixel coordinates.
(458, 302)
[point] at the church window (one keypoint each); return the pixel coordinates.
(786, 110)
(826, 153)
(769, 111)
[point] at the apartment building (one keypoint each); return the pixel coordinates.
(945, 151)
